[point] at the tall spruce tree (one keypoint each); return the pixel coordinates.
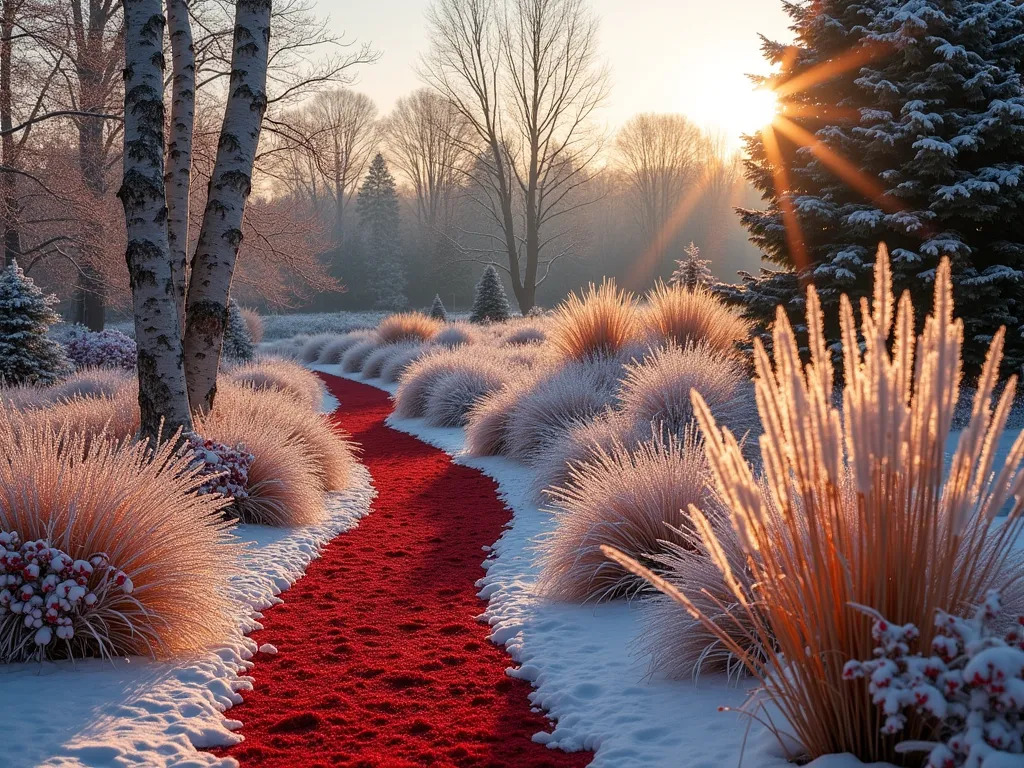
(27, 354)
(238, 343)
(931, 119)
(377, 205)
(490, 304)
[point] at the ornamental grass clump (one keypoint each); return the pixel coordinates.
(674, 313)
(602, 322)
(374, 364)
(118, 554)
(282, 376)
(634, 499)
(336, 348)
(453, 395)
(313, 346)
(355, 358)
(407, 326)
(867, 514)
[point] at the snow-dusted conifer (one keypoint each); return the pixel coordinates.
(691, 270)
(928, 124)
(377, 204)
(238, 344)
(490, 304)
(437, 310)
(27, 354)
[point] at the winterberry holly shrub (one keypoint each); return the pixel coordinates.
(226, 468)
(972, 686)
(48, 599)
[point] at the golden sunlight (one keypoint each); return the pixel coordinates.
(734, 107)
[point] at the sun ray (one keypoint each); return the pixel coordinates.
(648, 262)
(852, 59)
(791, 224)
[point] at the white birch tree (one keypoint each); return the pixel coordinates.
(163, 395)
(179, 147)
(230, 184)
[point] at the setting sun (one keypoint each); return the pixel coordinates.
(733, 106)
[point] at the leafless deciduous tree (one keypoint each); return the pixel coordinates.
(429, 139)
(322, 162)
(525, 75)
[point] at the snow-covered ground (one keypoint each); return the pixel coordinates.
(582, 660)
(139, 712)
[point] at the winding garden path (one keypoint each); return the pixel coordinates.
(380, 661)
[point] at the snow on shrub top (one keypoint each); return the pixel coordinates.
(27, 354)
(972, 686)
(226, 468)
(47, 596)
(102, 349)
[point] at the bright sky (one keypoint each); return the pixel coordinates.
(686, 56)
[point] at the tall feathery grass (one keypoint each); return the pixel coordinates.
(283, 376)
(633, 499)
(601, 322)
(139, 509)
(866, 512)
(677, 314)
(408, 326)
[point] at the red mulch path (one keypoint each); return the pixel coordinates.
(380, 661)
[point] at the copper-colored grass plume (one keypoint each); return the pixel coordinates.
(603, 322)
(254, 323)
(283, 376)
(407, 326)
(867, 513)
(286, 480)
(676, 314)
(116, 415)
(629, 499)
(141, 511)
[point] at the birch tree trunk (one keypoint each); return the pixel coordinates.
(162, 391)
(214, 261)
(178, 179)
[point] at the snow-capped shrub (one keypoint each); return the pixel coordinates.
(557, 402)
(254, 323)
(603, 322)
(490, 304)
(656, 391)
(407, 326)
(336, 348)
(226, 468)
(375, 362)
(400, 360)
(313, 346)
(281, 375)
(631, 499)
(692, 272)
(971, 686)
(238, 342)
(103, 349)
(284, 488)
(580, 443)
(355, 357)
(452, 396)
(867, 513)
(437, 310)
(674, 313)
(454, 334)
(27, 354)
(109, 506)
(526, 334)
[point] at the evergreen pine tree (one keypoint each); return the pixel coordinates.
(437, 310)
(490, 304)
(691, 270)
(377, 205)
(27, 354)
(931, 122)
(238, 343)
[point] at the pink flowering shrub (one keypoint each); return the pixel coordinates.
(972, 686)
(226, 469)
(103, 349)
(46, 596)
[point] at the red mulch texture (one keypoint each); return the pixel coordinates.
(380, 661)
